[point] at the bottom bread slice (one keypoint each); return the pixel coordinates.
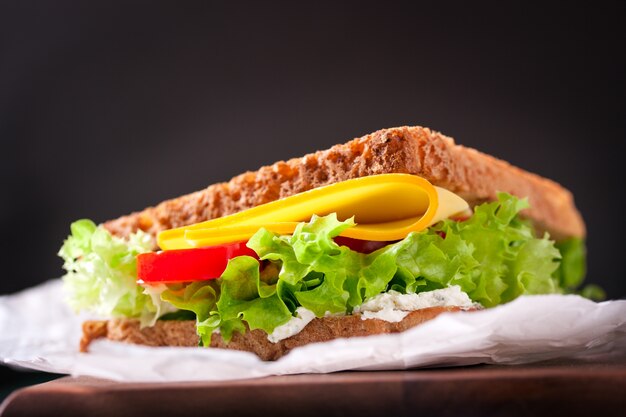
(183, 333)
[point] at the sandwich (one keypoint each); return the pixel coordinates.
(376, 235)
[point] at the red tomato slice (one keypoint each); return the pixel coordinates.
(358, 245)
(197, 264)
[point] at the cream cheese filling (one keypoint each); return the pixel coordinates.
(293, 326)
(393, 306)
(390, 306)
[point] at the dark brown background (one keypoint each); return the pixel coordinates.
(110, 106)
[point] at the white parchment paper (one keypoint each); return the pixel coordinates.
(38, 331)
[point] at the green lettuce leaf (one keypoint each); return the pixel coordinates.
(314, 271)
(102, 272)
(199, 297)
(246, 297)
(510, 260)
(573, 268)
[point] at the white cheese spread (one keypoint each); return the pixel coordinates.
(293, 326)
(393, 306)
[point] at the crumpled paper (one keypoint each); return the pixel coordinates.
(38, 331)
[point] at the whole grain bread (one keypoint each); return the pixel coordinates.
(183, 333)
(473, 175)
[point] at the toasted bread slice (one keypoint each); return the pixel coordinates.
(183, 333)
(475, 176)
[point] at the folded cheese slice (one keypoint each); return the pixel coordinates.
(385, 207)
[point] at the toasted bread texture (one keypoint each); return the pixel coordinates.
(473, 175)
(183, 333)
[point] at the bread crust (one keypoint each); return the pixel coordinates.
(183, 333)
(473, 175)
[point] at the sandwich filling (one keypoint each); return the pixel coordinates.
(278, 281)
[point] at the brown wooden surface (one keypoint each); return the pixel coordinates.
(555, 388)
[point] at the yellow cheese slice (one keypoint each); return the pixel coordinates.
(385, 207)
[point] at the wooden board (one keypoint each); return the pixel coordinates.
(556, 388)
